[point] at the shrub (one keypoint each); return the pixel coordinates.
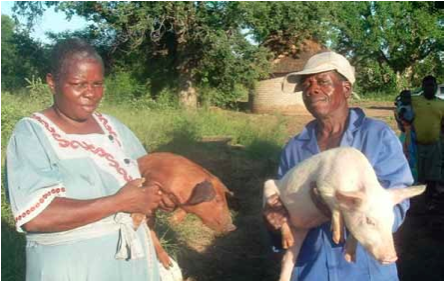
(39, 92)
(121, 87)
(11, 113)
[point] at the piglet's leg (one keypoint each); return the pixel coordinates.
(287, 236)
(350, 249)
(289, 259)
(337, 226)
(161, 254)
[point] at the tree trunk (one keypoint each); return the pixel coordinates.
(187, 93)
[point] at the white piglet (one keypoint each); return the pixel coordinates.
(347, 184)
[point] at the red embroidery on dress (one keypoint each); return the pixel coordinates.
(108, 127)
(88, 147)
(39, 202)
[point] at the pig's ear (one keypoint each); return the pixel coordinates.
(350, 200)
(202, 192)
(399, 195)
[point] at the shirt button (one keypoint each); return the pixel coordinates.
(110, 137)
(127, 161)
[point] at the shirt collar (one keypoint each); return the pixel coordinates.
(356, 118)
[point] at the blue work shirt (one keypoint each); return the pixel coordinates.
(320, 258)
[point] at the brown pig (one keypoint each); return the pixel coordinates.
(187, 188)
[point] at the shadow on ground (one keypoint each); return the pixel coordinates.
(13, 254)
(245, 254)
(420, 244)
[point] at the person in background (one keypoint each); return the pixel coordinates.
(326, 81)
(73, 180)
(428, 127)
(404, 117)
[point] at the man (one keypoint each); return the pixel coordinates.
(326, 82)
(428, 126)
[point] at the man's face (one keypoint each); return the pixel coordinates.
(429, 89)
(324, 93)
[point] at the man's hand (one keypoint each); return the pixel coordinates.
(274, 213)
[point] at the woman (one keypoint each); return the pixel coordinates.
(73, 181)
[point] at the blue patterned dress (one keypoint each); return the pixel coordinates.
(43, 163)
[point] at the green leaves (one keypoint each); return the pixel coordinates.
(392, 44)
(389, 41)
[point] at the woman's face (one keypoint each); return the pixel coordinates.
(324, 93)
(79, 89)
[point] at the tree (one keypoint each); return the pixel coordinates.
(393, 44)
(188, 42)
(283, 26)
(22, 57)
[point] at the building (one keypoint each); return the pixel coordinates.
(276, 95)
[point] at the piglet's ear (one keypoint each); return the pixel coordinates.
(202, 192)
(399, 195)
(350, 200)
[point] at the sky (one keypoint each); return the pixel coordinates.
(57, 22)
(50, 21)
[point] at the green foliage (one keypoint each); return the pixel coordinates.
(121, 87)
(212, 96)
(39, 92)
(159, 127)
(166, 100)
(172, 42)
(11, 113)
(21, 56)
(392, 44)
(279, 25)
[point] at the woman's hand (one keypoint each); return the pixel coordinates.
(135, 197)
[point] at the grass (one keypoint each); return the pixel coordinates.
(172, 130)
(243, 165)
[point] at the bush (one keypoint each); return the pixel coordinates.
(11, 114)
(121, 87)
(39, 92)
(226, 99)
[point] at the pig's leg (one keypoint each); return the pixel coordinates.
(289, 259)
(337, 226)
(287, 235)
(350, 249)
(161, 254)
(178, 216)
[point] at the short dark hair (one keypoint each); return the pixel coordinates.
(68, 49)
(429, 78)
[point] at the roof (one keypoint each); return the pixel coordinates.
(294, 61)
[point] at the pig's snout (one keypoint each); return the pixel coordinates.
(225, 228)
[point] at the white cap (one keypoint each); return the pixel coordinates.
(328, 61)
